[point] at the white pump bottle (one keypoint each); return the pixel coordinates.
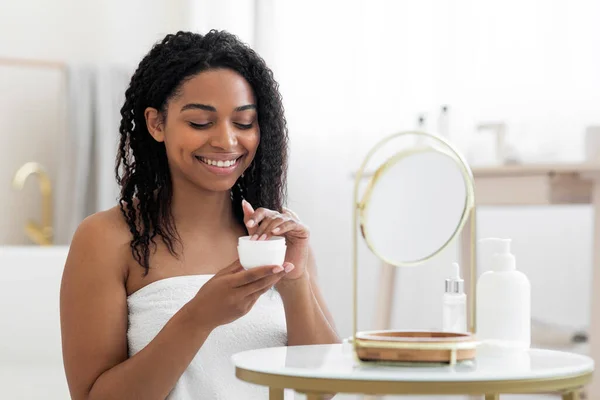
(503, 311)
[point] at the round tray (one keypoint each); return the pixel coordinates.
(415, 346)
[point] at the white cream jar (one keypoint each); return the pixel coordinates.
(258, 253)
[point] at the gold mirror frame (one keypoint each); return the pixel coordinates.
(360, 212)
(363, 209)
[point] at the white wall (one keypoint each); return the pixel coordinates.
(354, 71)
(235, 16)
(32, 100)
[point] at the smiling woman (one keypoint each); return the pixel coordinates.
(153, 291)
(213, 119)
(181, 107)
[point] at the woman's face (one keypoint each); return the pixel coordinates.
(211, 130)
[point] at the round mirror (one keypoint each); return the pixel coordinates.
(416, 203)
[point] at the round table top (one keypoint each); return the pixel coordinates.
(335, 367)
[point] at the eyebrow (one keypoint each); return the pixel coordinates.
(246, 107)
(205, 107)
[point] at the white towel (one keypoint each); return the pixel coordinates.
(211, 374)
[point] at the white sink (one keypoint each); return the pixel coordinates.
(30, 345)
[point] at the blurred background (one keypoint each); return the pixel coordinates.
(351, 72)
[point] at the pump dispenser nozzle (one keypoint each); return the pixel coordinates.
(502, 258)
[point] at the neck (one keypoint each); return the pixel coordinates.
(201, 211)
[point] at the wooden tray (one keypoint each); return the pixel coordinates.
(415, 346)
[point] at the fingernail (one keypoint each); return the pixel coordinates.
(250, 223)
(254, 237)
(277, 269)
(289, 267)
(276, 230)
(263, 237)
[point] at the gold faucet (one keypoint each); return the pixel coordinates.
(39, 234)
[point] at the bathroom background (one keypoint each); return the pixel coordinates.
(350, 72)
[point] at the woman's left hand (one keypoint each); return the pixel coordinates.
(264, 223)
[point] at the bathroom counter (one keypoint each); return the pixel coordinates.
(535, 169)
(536, 184)
(321, 369)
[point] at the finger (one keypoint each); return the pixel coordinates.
(247, 208)
(284, 227)
(231, 268)
(248, 214)
(257, 218)
(288, 267)
(265, 229)
(245, 277)
(261, 284)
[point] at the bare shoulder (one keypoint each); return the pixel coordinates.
(110, 223)
(101, 240)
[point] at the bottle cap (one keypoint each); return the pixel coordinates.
(502, 259)
(455, 283)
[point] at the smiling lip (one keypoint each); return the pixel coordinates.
(222, 164)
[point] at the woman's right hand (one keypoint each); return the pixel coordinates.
(232, 292)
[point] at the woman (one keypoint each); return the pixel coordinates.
(153, 299)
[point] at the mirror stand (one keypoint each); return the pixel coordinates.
(399, 347)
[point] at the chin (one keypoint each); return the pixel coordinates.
(224, 186)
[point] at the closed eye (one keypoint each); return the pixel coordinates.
(204, 126)
(244, 126)
(199, 126)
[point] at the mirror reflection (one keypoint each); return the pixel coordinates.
(415, 205)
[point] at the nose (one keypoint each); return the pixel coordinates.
(224, 137)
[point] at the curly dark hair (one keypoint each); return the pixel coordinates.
(142, 170)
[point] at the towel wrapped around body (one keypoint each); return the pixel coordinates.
(211, 374)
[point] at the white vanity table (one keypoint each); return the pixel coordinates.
(522, 185)
(321, 369)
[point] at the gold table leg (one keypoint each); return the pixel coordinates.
(275, 394)
(492, 397)
(572, 395)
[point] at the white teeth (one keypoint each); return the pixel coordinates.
(220, 164)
